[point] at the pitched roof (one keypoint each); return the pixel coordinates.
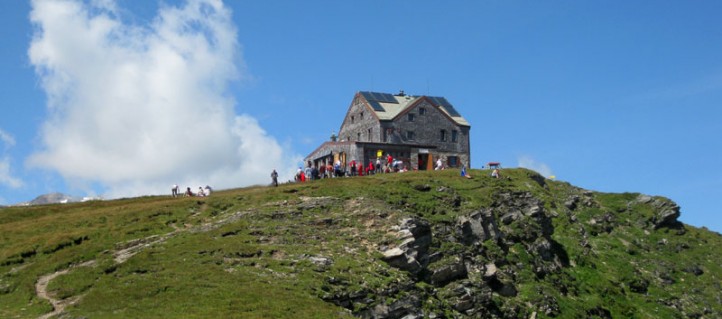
(388, 106)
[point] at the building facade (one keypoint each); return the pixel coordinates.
(417, 130)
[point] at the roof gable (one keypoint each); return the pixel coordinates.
(388, 107)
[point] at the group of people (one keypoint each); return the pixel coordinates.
(202, 191)
(354, 168)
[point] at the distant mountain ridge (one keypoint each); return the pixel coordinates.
(55, 198)
(51, 198)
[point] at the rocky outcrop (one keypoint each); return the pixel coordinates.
(666, 212)
(468, 276)
(415, 237)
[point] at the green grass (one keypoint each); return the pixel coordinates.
(254, 252)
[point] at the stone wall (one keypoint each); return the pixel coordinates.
(419, 127)
(426, 127)
(359, 120)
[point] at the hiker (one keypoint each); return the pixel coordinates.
(314, 173)
(370, 169)
(389, 160)
(188, 192)
(274, 178)
(201, 193)
(495, 173)
(329, 170)
(353, 167)
(207, 190)
(308, 172)
(464, 173)
(337, 169)
(378, 165)
(322, 171)
(439, 164)
(396, 165)
(174, 190)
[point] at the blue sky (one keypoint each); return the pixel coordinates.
(122, 98)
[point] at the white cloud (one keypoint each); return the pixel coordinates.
(7, 139)
(6, 177)
(530, 163)
(139, 108)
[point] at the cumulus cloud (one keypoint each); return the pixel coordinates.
(530, 163)
(137, 108)
(6, 177)
(7, 139)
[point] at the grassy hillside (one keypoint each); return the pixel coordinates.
(520, 246)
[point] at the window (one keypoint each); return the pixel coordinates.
(454, 136)
(422, 110)
(388, 133)
(410, 135)
(411, 117)
(358, 136)
(452, 161)
(352, 118)
(362, 115)
(443, 135)
(369, 135)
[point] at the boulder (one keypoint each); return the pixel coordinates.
(415, 236)
(398, 258)
(447, 273)
(477, 227)
(666, 212)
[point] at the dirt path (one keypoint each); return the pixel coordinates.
(41, 289)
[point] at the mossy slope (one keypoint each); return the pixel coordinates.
(317, 250)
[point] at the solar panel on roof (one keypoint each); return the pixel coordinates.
(386, 98)
(443, 102)
(379, 97)
(375, 99)
(376, 106)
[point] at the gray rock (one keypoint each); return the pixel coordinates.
(398, 258)
(448, 273)
(415, 236)
(666, 213)
(490, 271)
(478, 227)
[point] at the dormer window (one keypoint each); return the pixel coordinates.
(411, 117)
(443, 135)
(454, 136)
(422, 110)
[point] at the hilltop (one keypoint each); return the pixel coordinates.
(412, 245)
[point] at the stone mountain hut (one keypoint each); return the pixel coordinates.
(418, 130)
